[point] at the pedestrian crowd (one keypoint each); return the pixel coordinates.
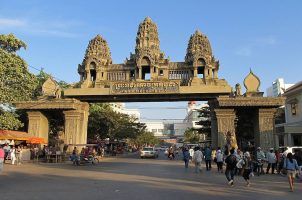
(233, 162)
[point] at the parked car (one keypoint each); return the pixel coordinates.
(291, 149)
(149, 152)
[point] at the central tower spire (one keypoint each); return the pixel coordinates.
(147, 41)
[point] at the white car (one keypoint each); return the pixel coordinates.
(291, 149)
(148, 152)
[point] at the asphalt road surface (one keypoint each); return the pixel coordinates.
(130, 177)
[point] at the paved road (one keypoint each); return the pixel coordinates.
(135, 179)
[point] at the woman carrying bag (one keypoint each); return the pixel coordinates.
(291, 167)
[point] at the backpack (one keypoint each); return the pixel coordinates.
(231, 161)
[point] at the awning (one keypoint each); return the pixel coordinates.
(21, 136)
(13, 135)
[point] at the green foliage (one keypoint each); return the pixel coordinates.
(103, 122)
(10, 43)
(145, 139)
(191, 136)
(205, 121)
(16, 83)
(9, 121)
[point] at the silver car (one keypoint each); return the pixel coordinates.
(148, 152)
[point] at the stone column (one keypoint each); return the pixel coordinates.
(215, 74)
(140, 73)
(225, 123)
(265, 135)
(76, 122)
(214, 128)
(38, 124)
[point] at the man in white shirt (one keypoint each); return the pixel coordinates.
(271, 159)
(197, 158)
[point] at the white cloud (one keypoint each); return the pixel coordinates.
(269, 40)
(5, 22)
(247, 50)
(38, 27)
(244, 51)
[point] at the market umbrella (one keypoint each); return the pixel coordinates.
(13, 135)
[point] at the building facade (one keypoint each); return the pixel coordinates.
(290, 133)
(278, 88)
(120, 108)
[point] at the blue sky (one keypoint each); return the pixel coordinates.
(263, 35)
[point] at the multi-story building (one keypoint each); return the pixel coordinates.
(290, 133)
(278, 88)
(193, 114)
(120, 108)
(157, 128)
(174, 128)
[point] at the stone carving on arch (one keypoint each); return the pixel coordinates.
(140, 58)
(200, 61)
(89, 61)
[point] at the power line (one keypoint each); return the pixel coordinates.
(45, 72)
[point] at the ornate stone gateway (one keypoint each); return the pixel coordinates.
(147, 75)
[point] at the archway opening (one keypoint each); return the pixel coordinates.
(146, 71)
(92, 71)
(200, 69)
(245, 127)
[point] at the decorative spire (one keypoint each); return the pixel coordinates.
(251, 83)
(98, 49)
(147, 41)
(198, 47)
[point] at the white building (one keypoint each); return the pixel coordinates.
(278, 88)
(290, 133)
(193, 114)
(120, 108)
(177, 129)
(157, 128)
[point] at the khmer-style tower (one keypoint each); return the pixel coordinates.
(97, 58)
(199, 56)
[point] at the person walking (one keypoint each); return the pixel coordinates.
(260, 156)
(197, 159)
(6, 149)
(278, 161)
(271, 159)
(186, 157)
(13, 155)
(247, 166)
(19, 155)
(208, 158)
(191, 151)
(2, 155)
(239, 156)
(219, 160)
(291, 166)
(231, 162)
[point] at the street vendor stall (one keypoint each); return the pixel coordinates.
(17, 138)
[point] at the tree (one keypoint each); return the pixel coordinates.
(9, 120)
(103, 122)
(205, 121)
(145, 139)
(16, 82)
(191, 136)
